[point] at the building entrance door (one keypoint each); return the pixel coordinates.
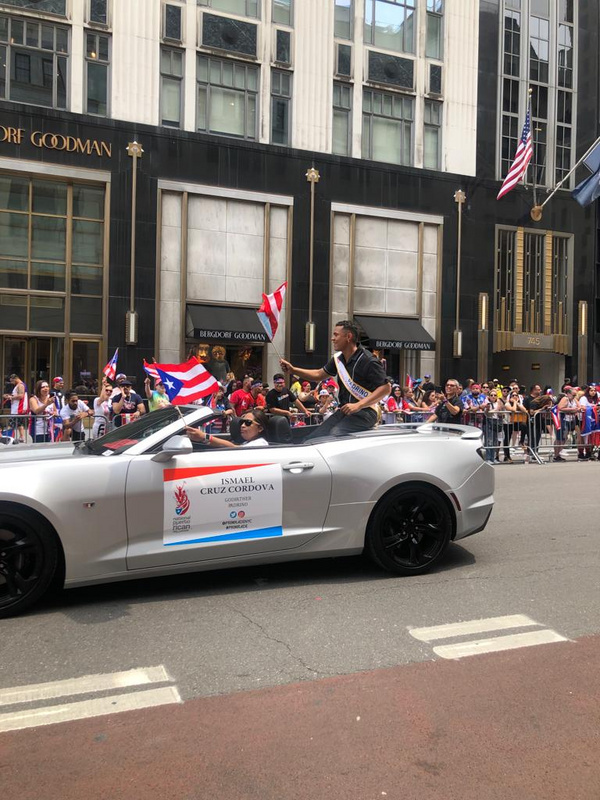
(31, 358)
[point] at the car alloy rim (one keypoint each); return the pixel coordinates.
(21, 562)
(413, 530)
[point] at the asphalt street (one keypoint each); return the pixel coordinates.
(337, 635)
(254, 627)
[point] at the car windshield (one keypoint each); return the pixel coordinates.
(121, 439)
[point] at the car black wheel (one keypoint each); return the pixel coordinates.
(409, 530)
(28, 560)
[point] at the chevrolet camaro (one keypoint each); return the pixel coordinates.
(144, 500)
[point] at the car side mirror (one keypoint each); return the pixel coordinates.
(175, 446)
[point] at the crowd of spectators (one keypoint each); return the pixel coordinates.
(513, 417)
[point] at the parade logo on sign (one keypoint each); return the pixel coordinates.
(182, 500)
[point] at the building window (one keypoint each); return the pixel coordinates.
(342, 127)
(281, 95)
(227, 97)
(171, 87)
(283, 47)
(344, 19)
(282, 11)
(99, 12)
(387, 132)
(97, 66)
(33, 62)
(533, 282)
(58, 7)
(432, 134)
(434, 47)
(172, 27)
(244, 8)
(390, 24)
(538, 40)
(52, 245)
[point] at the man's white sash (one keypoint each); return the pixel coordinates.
(357, 391)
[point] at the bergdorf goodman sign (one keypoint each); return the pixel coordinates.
(56, 141)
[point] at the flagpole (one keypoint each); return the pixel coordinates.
(532, 148)
(536, 211)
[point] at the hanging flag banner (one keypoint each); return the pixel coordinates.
(522, 158)
(208, 505)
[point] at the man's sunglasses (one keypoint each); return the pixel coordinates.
(247, 422)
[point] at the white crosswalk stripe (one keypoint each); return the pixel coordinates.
(142, 681)
(492, 644)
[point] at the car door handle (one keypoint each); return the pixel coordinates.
(298, 466)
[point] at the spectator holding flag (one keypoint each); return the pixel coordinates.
(102, 411)
(158, 397)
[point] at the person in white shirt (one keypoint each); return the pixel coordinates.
(73, 415)
(102, 411)
(253, 424)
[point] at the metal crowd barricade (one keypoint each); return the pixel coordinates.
(504, 433)
(552, 440)
(40, 428)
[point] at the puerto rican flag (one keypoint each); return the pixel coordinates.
(270, 310)
(555, 413)
(185, 383)
(410, 382)
(110, 370)
(151, 370)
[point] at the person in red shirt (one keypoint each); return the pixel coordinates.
(257, 395)
(242, 399)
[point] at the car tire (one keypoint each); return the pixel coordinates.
(29, 560)
(409, 530)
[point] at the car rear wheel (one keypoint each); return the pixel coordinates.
(29, 557)
(410, 530)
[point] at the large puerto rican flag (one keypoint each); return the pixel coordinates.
(270, 310)
(185, 383)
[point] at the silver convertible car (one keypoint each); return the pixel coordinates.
(143, 500)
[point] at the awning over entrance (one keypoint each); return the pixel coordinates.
(227, 324)
(395, 333)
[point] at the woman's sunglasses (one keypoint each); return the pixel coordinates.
(247, 422)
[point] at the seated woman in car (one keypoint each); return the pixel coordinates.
(253, 424)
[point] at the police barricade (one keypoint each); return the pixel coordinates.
(14, 428)
(401, 417)
(505, 433)
(49, 429)
(557, 435)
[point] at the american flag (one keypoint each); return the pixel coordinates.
(185, 383)
(522, 159)
(110, 370)
(270, 310)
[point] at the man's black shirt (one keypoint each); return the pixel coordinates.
(443, 414)
(282, 400)
(364, 368)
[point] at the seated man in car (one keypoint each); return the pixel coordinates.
(253, 424)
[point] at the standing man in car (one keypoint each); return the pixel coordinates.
(361, 378)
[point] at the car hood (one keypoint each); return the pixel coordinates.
(10, 454)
